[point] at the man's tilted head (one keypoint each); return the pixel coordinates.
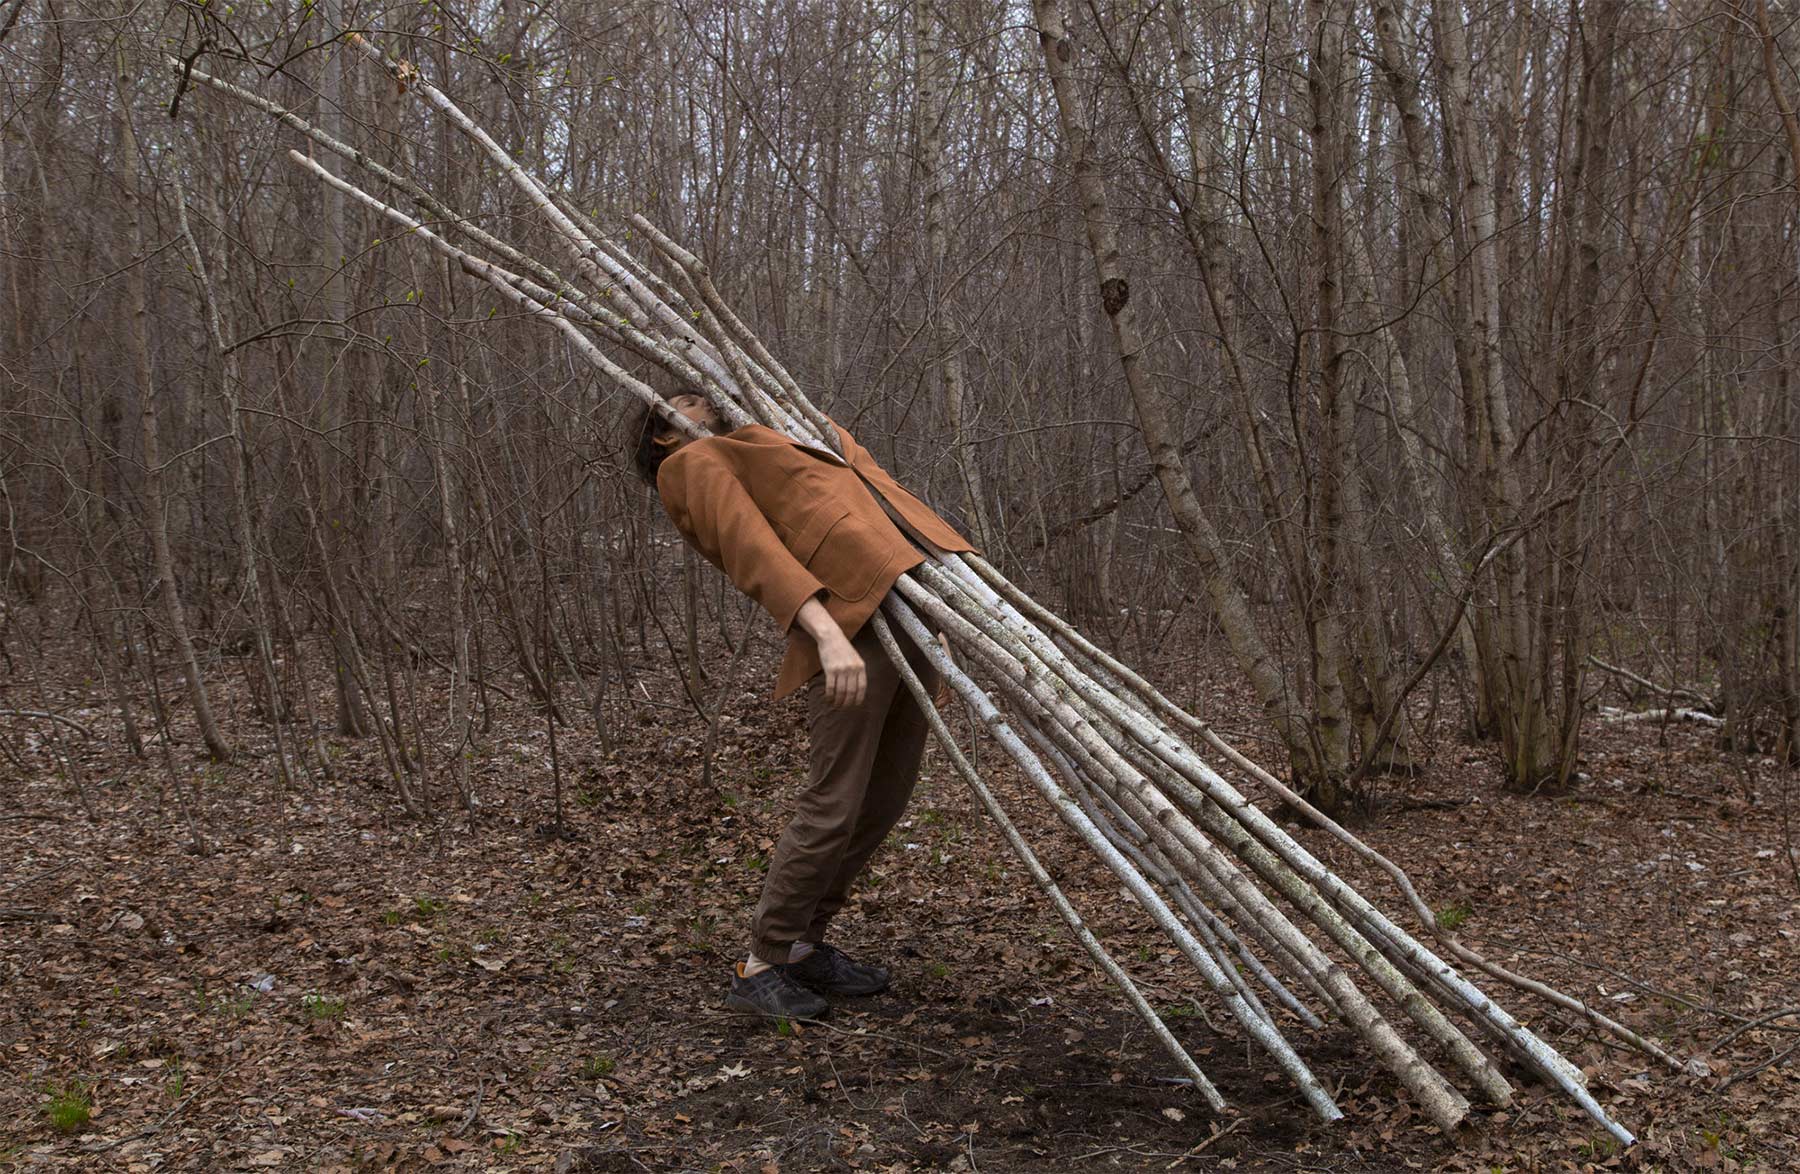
(653, 438)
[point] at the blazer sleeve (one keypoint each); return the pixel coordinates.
(717, 516)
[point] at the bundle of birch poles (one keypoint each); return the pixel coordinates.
(1277, 937)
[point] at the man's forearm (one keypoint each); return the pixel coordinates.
(846, 677)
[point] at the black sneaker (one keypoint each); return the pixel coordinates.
(830, 971)
(774, 993)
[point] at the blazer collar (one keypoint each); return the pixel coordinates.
(763, 434)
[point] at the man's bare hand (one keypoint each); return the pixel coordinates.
(846, 677)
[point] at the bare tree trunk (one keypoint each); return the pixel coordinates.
(1790, 125)
(1421, 213)
(1520, 704)
(1785, 513)
(1583, 385)
(460, 620)
(231, 380)
(934, 77)
(1229, 603)
(1202, 219)
(156, 521)
(1330, 660)
(338, 380)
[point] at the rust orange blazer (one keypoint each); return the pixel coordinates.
(788, 523)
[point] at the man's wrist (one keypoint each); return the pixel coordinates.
(816, 622)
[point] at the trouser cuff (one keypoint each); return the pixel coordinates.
(774, 953)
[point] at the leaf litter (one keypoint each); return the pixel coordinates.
(336, 987)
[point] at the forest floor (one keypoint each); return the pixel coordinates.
(336, 985)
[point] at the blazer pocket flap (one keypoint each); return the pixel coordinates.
(811, 530)
(848, 556)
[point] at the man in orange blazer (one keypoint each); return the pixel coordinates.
(817, 541)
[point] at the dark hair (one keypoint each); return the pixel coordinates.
(643, 428)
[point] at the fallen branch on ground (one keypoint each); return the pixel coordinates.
(1608, 713)
(1672, 692)
(47, 716)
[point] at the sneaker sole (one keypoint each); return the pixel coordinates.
(845, 991)
(738, 1003)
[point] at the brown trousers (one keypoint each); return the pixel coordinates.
(865, 761)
